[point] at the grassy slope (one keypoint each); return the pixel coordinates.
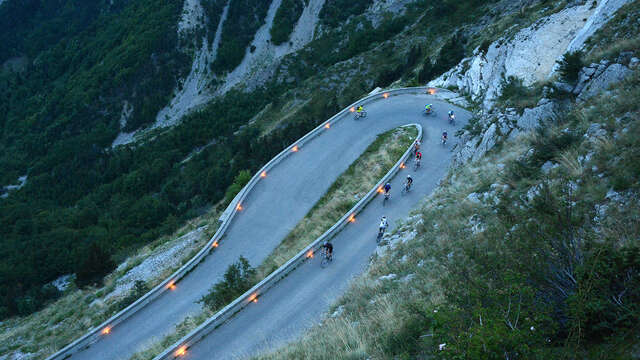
(357, 180)
(543, 265)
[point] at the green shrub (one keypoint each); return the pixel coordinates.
(238, 278)
(239, 182)
(570, 65)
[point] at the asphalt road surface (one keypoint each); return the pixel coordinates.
(270, 212)
(299, 301)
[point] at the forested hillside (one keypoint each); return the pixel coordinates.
(69, 69)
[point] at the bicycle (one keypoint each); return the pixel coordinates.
(416, 164)
(429, 112)
(381, 231)
(360, 114)
(452, 120)
(386, 198)
(406, 188)
(326, 259)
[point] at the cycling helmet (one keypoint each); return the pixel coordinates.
(325, 243)
(450, 112)
(408, 176)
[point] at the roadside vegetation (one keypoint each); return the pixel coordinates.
(240, 276)
(532, 252)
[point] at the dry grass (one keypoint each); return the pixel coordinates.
(69, 317)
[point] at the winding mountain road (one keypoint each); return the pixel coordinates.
(298, 301)
(270, 212)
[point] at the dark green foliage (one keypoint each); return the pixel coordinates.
(243, 20)
(238, 278)
(213, 9)
(516, 95)
(285, 20)
(94, 262)
(336, 11)
(239, 182)
(570, 66)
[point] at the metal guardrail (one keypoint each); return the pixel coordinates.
(104, 329)
(180, 347)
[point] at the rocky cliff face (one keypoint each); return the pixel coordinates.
(531, 56)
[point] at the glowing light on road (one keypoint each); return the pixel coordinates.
(263, 174)
(253, 298)
(353, 109)
(239, 207)
(380, 190)
(327, 125)
(182, 351)
(106, 331)
(215, 244)
(352, 218)
(385, 95)
(171, 286)
(431, 91)
(310, 254)
(402, 166)
(295, 148)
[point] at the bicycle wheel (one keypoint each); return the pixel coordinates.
(325, 262)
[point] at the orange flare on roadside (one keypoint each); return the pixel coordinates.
(263, 174)
(352, 218)
(402, 166)
(431, 91)
(239, 207)
(380, 190)
(106, 331)
(253, 298)
(295, 148)
(327, 125)
(181, 351)
(385, 95)
(171, 286)
(353, 109)
(310, 254)
(215, 244)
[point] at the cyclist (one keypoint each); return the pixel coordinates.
(383, 225)
(327, 249)
(409, 181)
(451, 116)
(428, 108)
(387, 188)
(444, 137)
(418, 156)
(360, 109)
(416, 147)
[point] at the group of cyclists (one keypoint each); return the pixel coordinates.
(327, 247)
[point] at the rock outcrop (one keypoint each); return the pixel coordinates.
(530, 55)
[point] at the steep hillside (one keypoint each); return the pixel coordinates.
(203, 105)
(529, 249)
